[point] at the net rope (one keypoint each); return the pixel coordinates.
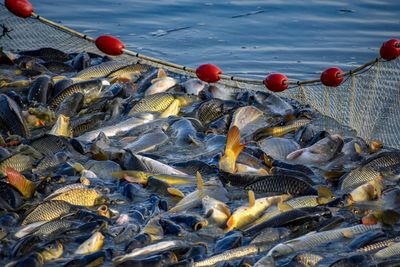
(367, 102)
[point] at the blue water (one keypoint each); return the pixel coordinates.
(248, 38)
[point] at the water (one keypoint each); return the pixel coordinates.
(248, 38)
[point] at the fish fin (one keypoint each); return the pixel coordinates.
(17, 180)
(233, 142)
(295, 154)
(230, 224)
(267, 161)
(375, 145)
(284, 206)
(193, 140)
(252, 198)
(325, 192)
(175, 192)
(200, 184)
(347, 233)
(161, 73)
(358, 148)
(225, 209)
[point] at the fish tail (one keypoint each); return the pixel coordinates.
(233, 143)
(23, 185)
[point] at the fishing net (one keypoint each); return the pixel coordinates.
(367, 102)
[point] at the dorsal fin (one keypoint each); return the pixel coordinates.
(200, 184)
(252, 198)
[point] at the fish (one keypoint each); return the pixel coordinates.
(244, 215)
(194, 86)
(278, 148)
(47, 211)
(19, 162)
(147, 142)
(71, 105)
(151, 249)
(113, 130)
(62, 127)
(369, 191)
(322, 151)
(130, 72)
(143, 177)
(161, 84)
(150, 165)
(184, 132)
(210, 110)
(90, 89)
(81, 61)
(215, 210)
(319, 238)
(18, 181)
(228, 255)
(40, 89)
(153, 103)
(80, 196)
(369, 170)
(50, 145)
(272, 104)
(100, 70)
(278, 131)
(283, 184)
(11, 119)
(51, 250)
(47, 54)
(248, 119)
(212, 188)
(93, 244)
(233, 148)
(392, 250)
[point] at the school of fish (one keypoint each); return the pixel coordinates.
(106, 162)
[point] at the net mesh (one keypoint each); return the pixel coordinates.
(367, 102)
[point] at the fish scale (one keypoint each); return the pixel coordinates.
(370, 170)
(52, 227)
(48, 211)
(80, 87)
(79, 196)
(229, 255)
(137, 69)
(51, 144)
(210, 111)
(153, 103)
(19, 162)
(391, 251)
(100, 70)
(281, 184)
(319, 238)
(308, 259)
(378, 245)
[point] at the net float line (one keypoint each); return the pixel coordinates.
(276, 82)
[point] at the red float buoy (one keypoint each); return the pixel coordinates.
(390, 49)
(110, 45)
(208, 73)
(276, 82)
(332, 77)
(20, 8)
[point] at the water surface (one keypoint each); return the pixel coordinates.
(249, 38)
